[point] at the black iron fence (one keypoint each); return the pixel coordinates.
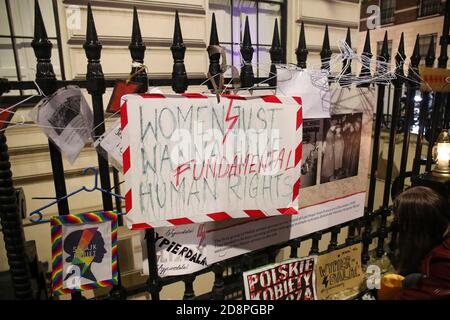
(373, 226)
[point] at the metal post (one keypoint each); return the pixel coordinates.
(398, 87)
(189, 293)
(423, 114)
(384, 212)
(96, 88)
(365, 75)
(439, 97)
(46, 80)
(315, 243)
(218, 287)
(12, 228)
(412, 87)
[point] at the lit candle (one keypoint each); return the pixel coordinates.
(443, 155)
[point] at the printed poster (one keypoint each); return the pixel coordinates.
(289, 280)
(66, 118)
(190, 158)
(84, 251)
(338, 271)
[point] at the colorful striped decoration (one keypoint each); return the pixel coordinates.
(57, 224)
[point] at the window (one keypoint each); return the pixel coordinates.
(387, 8)
(424, 44)
(230, 19)
(17, 59)
(380, 45)
(429, 7)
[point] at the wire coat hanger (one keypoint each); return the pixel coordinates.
(95, 187)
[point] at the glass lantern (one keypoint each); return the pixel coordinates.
(441, 153)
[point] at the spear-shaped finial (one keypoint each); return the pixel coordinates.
(136, 36)
(431, 54)
(326, 52)
(384, 57)
(415, 57)
(399, 63)
(39, 27)
(43, 51)
(247, 76)
(177, 35)
(247, 41)
(91, 46)
(91, 32)
(213, 38)
(365, 74)
(179, 76)
(385, 48)
(367, 48)
(276, 55)
(413, 72)
(348, 38)
(301, 51)
(276, 36)
(346, 64)
(214, 55)
(137, 51)
(137, 46)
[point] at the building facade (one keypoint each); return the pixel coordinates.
(411, 17)
(65, 22)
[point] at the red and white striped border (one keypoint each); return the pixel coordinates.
(215, 216)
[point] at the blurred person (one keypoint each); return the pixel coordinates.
(422, 259)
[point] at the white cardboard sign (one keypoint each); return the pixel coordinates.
(189, 158)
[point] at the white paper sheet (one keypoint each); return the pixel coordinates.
(111, 143)
(66, 119)
(310, 85)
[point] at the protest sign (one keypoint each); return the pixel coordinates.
(434, 79)
(84, 251)
(289, 280)
(338, 271)
(325, 200)
(189, 158)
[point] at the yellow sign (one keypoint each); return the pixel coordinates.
(338, 271)
(434, 79)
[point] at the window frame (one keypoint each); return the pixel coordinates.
(282, 25)
(428, 14)
(14, 37)
(390, 19)
(423, 55)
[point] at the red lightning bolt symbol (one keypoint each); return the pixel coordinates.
(231, 119)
